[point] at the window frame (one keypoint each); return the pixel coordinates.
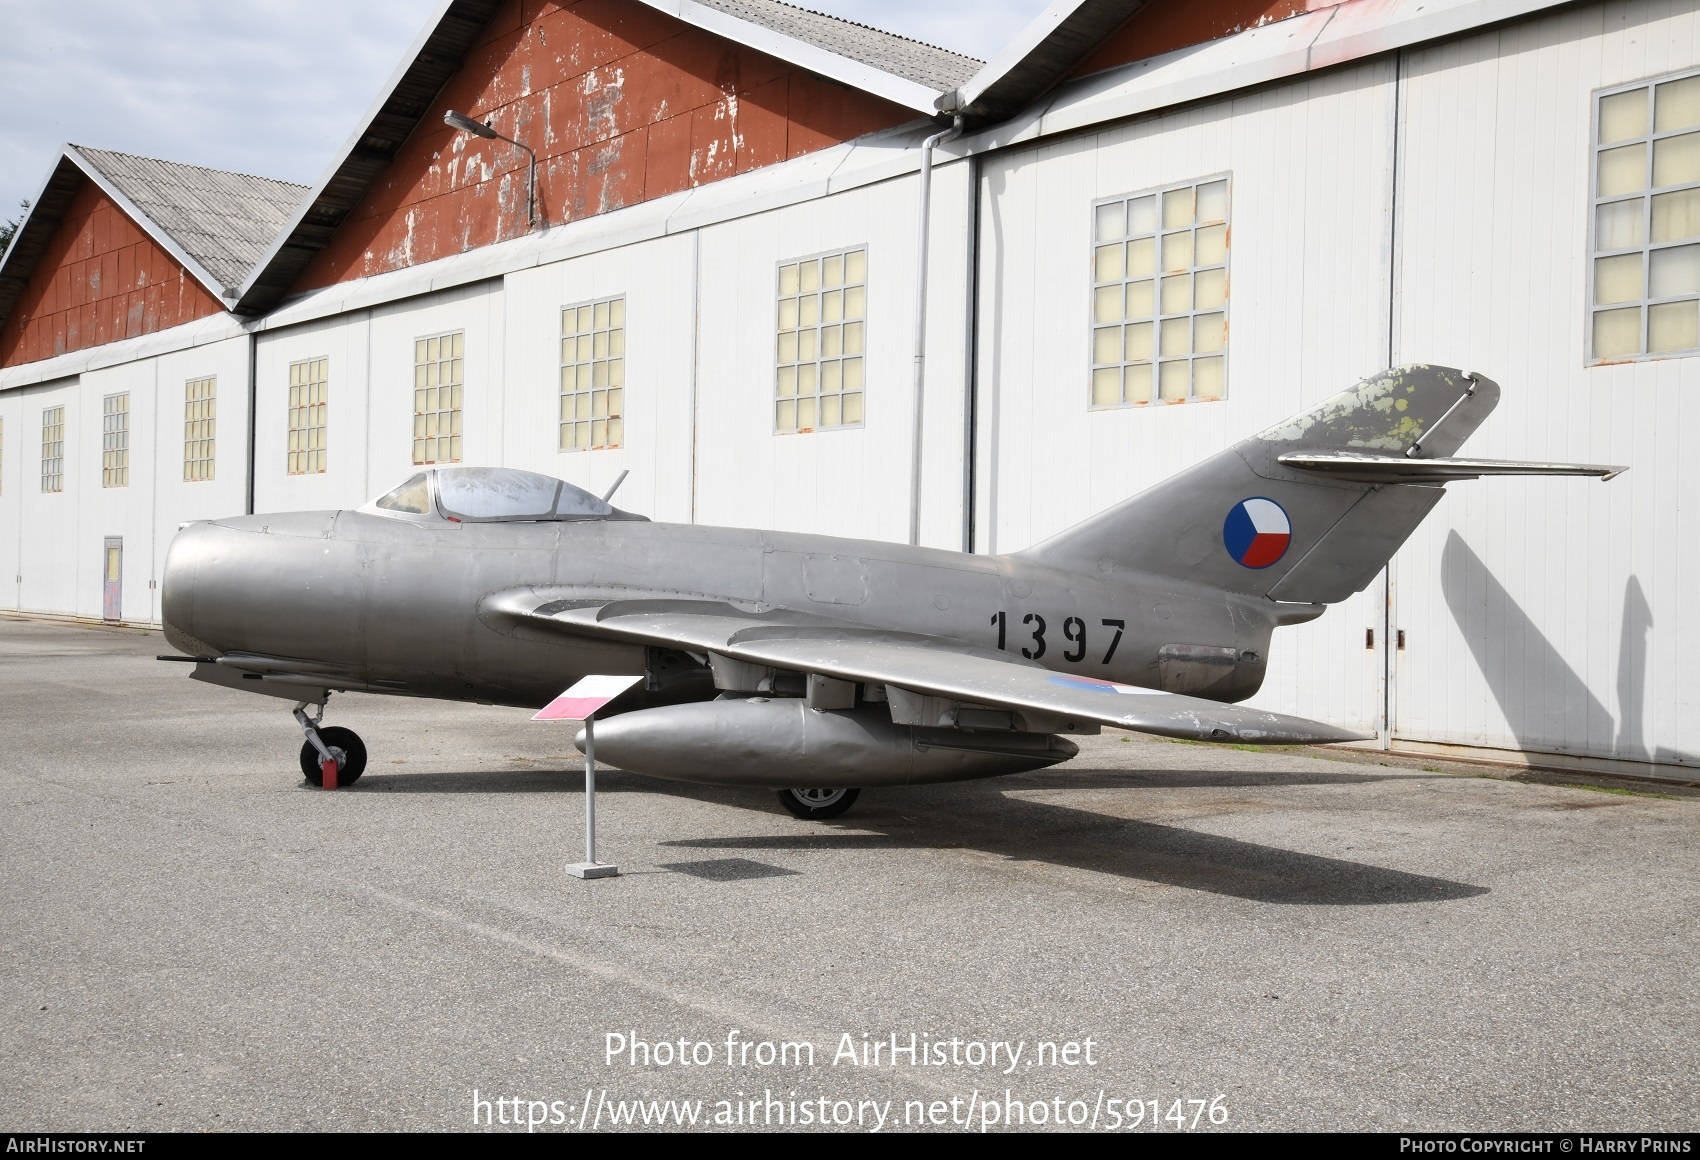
(1157, 316)
(193, 467)
(1645, 302)
(590, 391)
(57, 475)
(775, 399)
(296, 458)
(457, 411)
(115, 440)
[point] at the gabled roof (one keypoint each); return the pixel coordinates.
(1041, 55)
(906, 72)
(216, 223)
(224, 221)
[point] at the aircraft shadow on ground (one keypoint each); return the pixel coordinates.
(981, 815)
(541, 779)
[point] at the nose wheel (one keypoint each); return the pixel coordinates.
(817, 805)
(332, 757)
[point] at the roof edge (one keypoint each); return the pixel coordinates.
(1017, 50)
(363, 126)
(1042, 55)
(899, 90)
(29, 214)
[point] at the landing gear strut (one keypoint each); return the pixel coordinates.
(332, 756)
(817, 805)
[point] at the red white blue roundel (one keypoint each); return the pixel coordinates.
(1257, 532)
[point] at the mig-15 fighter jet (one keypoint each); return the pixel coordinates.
(816, 665)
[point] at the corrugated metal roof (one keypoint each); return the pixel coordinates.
(925, 64)
(225, 221)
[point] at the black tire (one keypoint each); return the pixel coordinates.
(817, 805)
(351, 761)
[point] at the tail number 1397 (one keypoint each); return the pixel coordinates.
(1073, 631)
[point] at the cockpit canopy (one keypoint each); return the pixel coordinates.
(494, 495)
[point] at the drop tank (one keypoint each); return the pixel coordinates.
(784, 744)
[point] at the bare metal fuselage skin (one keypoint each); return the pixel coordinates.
(404, 605)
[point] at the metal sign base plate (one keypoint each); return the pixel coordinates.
(593, 870)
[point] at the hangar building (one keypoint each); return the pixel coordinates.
(1164, 226)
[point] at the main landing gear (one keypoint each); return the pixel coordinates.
(332, 756)
(817, 805)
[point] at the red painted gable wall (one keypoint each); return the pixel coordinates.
(622, 104)
(101, 279)
(1170, 24)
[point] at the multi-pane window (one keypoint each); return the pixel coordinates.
(115, 441)
(593, 375)
(1646, 259)
(307, 382)
(53, 449)
(200, 428)
(823, 305)
(1160, 295)
(436, 398)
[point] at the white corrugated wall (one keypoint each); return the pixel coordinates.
(1542, 614)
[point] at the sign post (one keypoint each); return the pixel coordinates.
(580, 703)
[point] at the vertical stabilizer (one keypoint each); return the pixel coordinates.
(1244, 522)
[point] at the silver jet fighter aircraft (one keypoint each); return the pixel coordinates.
(816, 665)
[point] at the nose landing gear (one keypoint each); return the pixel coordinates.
(332, 756)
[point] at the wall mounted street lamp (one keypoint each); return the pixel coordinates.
(458, 120)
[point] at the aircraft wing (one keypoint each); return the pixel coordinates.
(953, 675)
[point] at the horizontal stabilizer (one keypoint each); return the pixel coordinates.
(1361, 467)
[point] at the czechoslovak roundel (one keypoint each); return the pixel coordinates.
(1257, 532)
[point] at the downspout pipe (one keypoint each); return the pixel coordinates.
(253, 412)
(927, 148)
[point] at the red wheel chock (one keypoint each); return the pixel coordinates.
(327, 773)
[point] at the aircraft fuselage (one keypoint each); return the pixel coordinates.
(388, 601)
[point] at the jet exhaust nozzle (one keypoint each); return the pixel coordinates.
(783, 744)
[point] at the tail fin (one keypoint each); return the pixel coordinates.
(1311, 509)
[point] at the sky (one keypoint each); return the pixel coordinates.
(276, 87)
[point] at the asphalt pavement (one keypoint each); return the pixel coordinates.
(192, 938)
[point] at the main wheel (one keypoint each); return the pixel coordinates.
(345, 745)
(817, 805)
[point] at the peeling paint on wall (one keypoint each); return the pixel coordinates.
(101, 279)
(622, 103)
(1166, 25)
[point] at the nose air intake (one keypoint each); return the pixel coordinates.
(177, 590)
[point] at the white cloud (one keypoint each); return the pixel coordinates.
(275, 87)
(271, 86)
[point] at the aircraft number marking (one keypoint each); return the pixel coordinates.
(1118, 625)
(1074, 631)
(1038, 649)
